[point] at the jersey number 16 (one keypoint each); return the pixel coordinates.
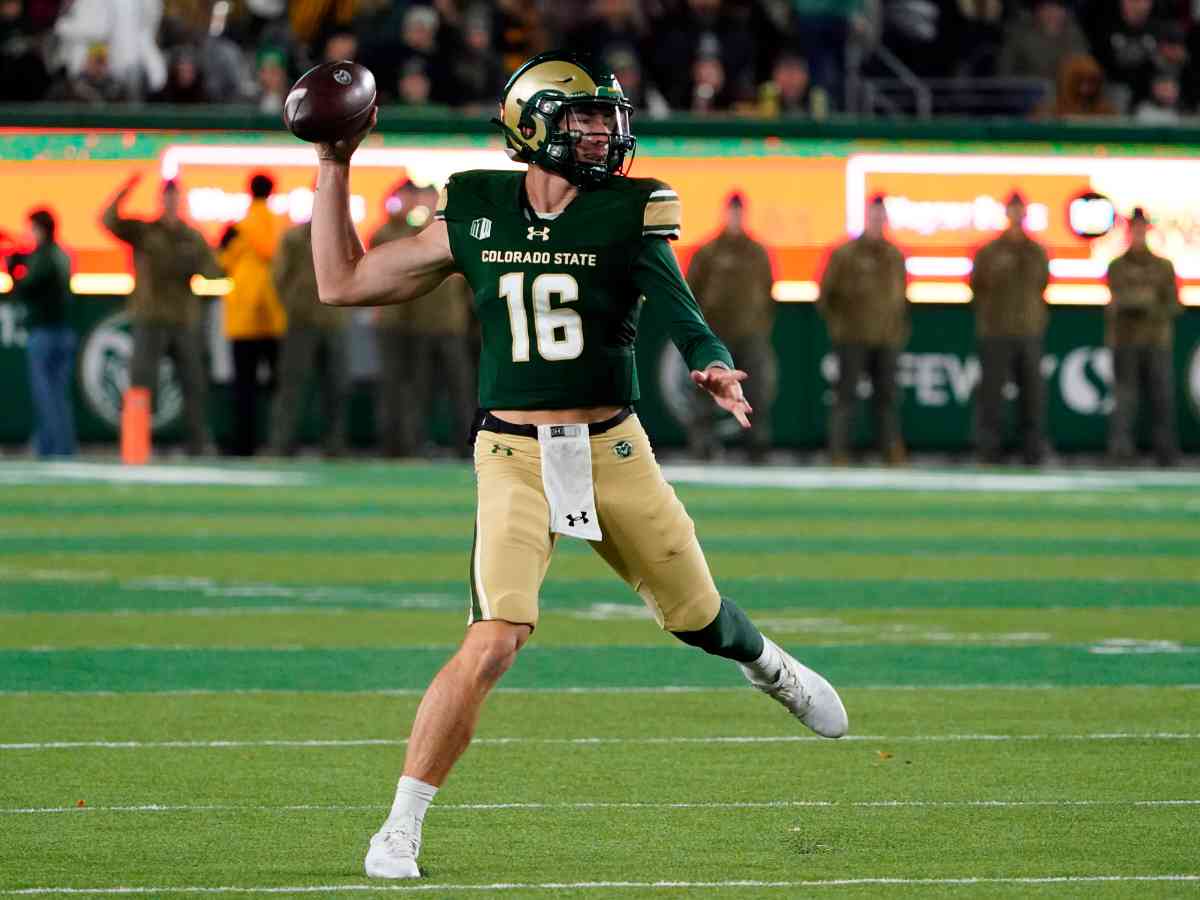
(559, 331)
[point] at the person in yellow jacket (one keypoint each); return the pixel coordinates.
(254, 318)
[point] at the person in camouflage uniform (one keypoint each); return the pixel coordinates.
(166, 315)
(731, 277)
(1140, 319)
(422, 344)
(865, 306)
(1008, 285)
(315, 333)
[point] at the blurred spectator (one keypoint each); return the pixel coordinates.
(1037, 43)
(821, 30)
(646, 99)
(224, 69)
(608, 23)
(166, 315)
(924, 34)
(254, 318)
(414, 86)
(315, 343)
(1175, 52)
(1081, 90)
(1125, 45)
(1141, 330)
(23, 73)
(128, 28)
(790, 92)
(518, 32)
(312, 18)
(93, 84)
(863, 301)
(1162, 107)
(473, 68)
(1008, 284)
(264, 15)
(714, 47)
(341, 43)
(732, 279)
(980, 34)
(709, 92)
(183, 79)
(271, 81)
(423, 344)
(42, 284)
(417, 52)
(40, 15)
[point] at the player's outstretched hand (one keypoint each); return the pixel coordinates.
(725, 386)
(129, 184)
(342, 149)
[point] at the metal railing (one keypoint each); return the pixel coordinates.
(1003, 97)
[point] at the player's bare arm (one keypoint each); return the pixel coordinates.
(347, 273)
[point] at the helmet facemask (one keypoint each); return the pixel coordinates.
(588, 139)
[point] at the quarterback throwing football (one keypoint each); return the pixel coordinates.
(559, 257)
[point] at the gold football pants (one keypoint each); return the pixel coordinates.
(649, 539)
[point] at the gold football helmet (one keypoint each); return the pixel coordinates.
(568, 114)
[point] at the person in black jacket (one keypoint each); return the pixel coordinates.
(42, 283)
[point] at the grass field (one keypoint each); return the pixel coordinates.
(206, 679)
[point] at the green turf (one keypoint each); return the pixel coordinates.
(1021, 671)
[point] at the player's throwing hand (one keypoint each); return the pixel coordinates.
(725, 386)
(342, 149)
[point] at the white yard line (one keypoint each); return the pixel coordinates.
(599, 741)
(604, 885)
(597, 805)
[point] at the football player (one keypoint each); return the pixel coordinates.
(559, 257)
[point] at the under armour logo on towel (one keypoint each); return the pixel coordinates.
(501, 448)
(582, 518)
(543, 233)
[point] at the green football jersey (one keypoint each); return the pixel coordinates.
(558, 298)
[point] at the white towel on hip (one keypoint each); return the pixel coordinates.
(567, 480)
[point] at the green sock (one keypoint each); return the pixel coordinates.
(731, 635)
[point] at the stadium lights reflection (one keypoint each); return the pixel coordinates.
(957, 292)
(102, 283)
(118, 284)
(211, 287)
(939, 266)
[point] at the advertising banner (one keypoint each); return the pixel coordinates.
(803, 197)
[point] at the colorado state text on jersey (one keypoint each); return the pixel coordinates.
(538, 257)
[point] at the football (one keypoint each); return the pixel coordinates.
(330, 101)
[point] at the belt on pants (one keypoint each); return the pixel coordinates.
(485, 421)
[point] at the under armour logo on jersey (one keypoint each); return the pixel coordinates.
(582, 518)
(543, 233)
(501, 448)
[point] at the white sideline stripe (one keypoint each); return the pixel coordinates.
(45, 473)
(476, 807)
(666, 689)
(601, 885)
(602, 741)
(921, 480)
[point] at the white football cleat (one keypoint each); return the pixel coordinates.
(806, 694)
(394, 850)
